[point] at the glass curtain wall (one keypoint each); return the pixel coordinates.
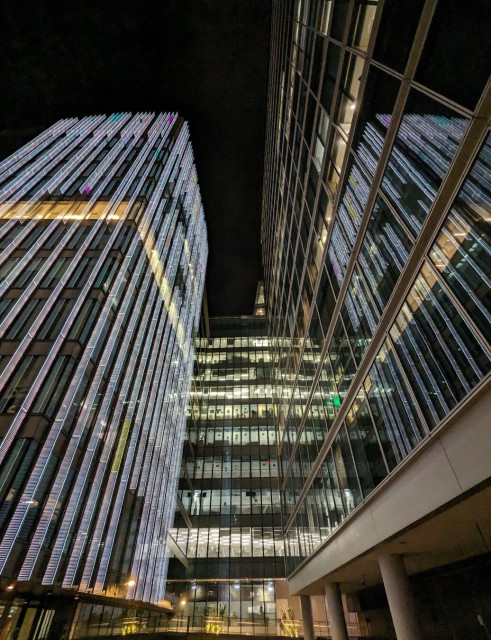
(229, 489)
(376, 280)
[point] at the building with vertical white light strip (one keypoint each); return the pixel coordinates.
(103, 256)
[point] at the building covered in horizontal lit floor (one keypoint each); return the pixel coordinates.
(103, 256)
(228, 525)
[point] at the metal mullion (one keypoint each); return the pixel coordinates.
(365, 395)
(362, 276)
(311, 63)
(388, 143)
(473, 138)
(405, 379)
(456, 302)
(388, 70)
(347, 26)
(409, 233)
(343, 424)
(438, 97)
(309, 400)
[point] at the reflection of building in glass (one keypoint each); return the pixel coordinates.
(103, 258)
(376, 247)
(337, 446)
(411, 385)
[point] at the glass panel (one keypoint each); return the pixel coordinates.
(337, 151)
(54, 386)
(462, 251)
(384, 252)
(339, 255)
(320, 46)
(362, 23)
(19, 384)
(393, 409)
(330, 73)
(320, 140)
(402, 19)
(341, 359)
(355, 196)
(339, 19)
(348, 481)
(425, 145)
(56, 272)
(376, 107)
(350, 86)
(458, 39)
(441, 356)
(366, 449)
(359, 315)
(55, 320)
(335, 502)
(25, 320)
(29, 273)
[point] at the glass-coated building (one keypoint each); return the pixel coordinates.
(103, 255)
(376, 248)
(334, 457)
(229, 525)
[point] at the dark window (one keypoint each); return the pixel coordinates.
(375, 111)
(396, 32)
(456, 59)
(330, 73)
(339, 19)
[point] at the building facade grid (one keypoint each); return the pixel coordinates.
(376, 247)
(102, 271)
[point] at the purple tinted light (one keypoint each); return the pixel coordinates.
(87, 190)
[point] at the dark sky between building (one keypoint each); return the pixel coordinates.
(206, 59)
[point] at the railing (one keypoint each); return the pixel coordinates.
(263, 627)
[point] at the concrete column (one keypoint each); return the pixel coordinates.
(335, 612)
(307, 618)
(401, 603)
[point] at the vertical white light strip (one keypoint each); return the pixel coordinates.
(50, 443)
(146, 354)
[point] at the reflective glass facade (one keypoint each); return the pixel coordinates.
(103, 255)
(376, 246)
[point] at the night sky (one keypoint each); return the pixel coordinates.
(207, 59)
